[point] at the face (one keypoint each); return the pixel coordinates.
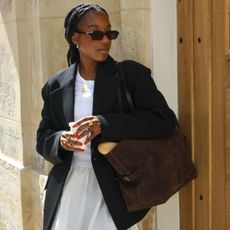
(93, 50)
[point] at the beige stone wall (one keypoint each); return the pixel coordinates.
(32, 48)
(136, 30)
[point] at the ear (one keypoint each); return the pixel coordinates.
(75, 38)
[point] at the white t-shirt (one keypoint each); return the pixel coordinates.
(83, 106)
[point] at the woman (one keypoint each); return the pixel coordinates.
(82, 188)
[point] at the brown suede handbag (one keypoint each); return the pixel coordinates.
(149, 171)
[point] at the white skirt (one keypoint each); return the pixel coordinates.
(82, 206)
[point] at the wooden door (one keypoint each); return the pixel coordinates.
(204, 110)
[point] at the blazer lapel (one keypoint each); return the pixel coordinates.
(68, 94)
(106, 86)
(105, 89)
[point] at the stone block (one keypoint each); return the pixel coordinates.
(136, 35)
(7, 11)
(9, 218)
(9, 78)
(11, 140)
(20, 197)
(31, 199)
(116, 48)
(135, 4)
(27, 9)
(30, 71)
(29, 143)
(10, 196)
(56, 8)
(112, 6)
(53, 46)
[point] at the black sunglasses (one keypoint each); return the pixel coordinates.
(98, 35)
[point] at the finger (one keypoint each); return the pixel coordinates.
(90, 138)
(90, 123)
(66, 134)
(86, 132)
(68, 142)
(74, 142)
(63, 141)
(81, 129)
(85, 119)
(72, 147)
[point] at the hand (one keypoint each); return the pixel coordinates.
(69, 143)
(89, 126)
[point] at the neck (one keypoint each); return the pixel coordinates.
(87, 69)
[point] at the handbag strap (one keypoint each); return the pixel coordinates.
(123, 88)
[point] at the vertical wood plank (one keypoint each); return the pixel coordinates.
(220, 73)
(185, 101)
(227, 28)
(227, 166)
(202, 112)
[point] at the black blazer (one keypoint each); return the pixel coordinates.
(151, 118)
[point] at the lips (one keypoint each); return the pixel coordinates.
(103, 50)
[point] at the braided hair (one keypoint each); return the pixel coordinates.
(71, 23)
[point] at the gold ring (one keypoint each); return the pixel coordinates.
(64, 142)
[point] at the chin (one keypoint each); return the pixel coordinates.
(102, 58)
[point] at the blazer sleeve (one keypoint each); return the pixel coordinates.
(151, 118)
(48, 144)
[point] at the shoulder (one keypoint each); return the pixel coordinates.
(135, 71)
(59, 79)
(61, 75)
(133, 66)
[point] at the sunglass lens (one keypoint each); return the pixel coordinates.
(112, 34)
(97, 35)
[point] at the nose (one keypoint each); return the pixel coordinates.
(105, 39)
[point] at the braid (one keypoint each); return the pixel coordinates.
(71, 23)
(73, 54)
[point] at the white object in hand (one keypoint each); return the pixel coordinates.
(81, 140)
